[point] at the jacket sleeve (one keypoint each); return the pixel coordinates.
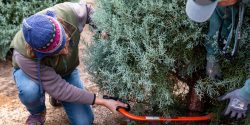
(53, 83)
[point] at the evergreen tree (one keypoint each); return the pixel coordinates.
(155, 55)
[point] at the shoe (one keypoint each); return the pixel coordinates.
(54, 102)
(36, 119)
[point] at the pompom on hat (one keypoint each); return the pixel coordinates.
(44, 34)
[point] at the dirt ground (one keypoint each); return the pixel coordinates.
(12, 112)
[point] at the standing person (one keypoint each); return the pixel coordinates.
(225, 18)
(45, 59)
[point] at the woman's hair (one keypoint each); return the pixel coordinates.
(29, 50)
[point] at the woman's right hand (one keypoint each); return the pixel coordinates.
(110, 104)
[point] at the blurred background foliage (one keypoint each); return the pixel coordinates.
(12, 13)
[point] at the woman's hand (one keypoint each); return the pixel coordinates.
(110, 104)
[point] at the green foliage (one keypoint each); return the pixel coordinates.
(12, 13)
(235, 72)
(153, 45)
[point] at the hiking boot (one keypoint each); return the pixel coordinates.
(54, 102)
(36, 119)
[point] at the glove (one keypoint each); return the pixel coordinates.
(213, 70)
(237, 105)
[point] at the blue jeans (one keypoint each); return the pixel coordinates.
(221, 14)
(29, 94)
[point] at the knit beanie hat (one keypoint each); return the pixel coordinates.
(44, 34)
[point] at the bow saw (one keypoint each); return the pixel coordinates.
(125, 112)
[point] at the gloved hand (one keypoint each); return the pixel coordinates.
(237, 105)
(213, 70)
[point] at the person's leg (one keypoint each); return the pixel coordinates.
(212, 47)
(78, 114)
(215, 23)
(221, 14)
(30, 96)
(227, 25)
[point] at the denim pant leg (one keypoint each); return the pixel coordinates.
(29, 92)
(221, 14)
(212, 36)
(78, 114)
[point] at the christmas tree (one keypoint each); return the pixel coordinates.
(155, 56)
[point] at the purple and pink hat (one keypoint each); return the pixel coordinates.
(44, 34)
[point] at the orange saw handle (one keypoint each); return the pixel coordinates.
(164, 119)
(125, 111)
